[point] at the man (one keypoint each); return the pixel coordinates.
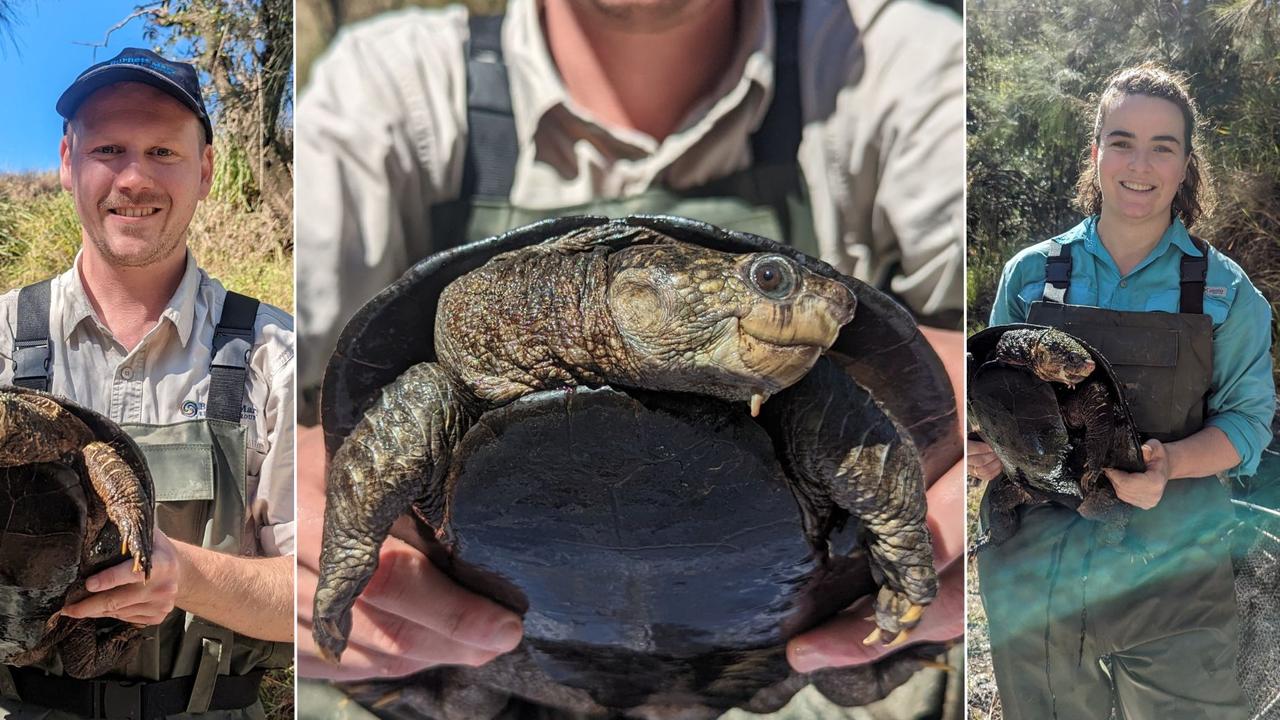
(200, 377)
(423, 130)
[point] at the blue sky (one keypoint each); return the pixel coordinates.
(41, 60)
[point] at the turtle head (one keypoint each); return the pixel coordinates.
(1058, 357)
(734, 326)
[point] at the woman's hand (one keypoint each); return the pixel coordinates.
(983, 463)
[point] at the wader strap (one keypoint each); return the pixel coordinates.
(777, 140)
(1193, 270)
(232, 340)
(134, 700)
(489, 168)
(31, 354)
(206, 675)
(1057, 273)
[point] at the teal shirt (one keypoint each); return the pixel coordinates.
(1242, 394)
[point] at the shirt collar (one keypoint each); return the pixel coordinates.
(180, 310)
(1175, 235)
(537, 88)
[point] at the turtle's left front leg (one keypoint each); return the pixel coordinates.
(122, 493)
(841, 447)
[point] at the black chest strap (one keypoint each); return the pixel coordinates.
(488, 169)
(232, 342)
(1192, 270)
(32, 355)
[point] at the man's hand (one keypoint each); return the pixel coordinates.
(1144, 489)
(121, 593)
(983, 462)
(410, 617)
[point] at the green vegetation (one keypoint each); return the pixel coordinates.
(1034, 68)
(250, 252)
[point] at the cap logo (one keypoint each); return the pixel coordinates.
(146, 62)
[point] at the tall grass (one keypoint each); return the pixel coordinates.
(250, 252)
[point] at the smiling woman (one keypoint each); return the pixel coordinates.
(1188, 336)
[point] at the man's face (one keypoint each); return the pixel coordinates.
(135, 160)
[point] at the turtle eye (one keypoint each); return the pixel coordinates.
(773, 276)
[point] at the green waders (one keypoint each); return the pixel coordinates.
(1148, 628)
(768, 199)
(186, 666)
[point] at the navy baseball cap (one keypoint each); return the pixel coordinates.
(137, 65)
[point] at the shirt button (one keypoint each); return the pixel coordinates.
(127, 373)
(1124, 283)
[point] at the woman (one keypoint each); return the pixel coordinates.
(1076, 627)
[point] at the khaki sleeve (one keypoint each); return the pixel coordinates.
(906, 169)
(272, 500)
(8, 329)
(377, 128)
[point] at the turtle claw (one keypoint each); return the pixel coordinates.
(873, 638)
(899, 639)
(330, 640)
(911, 616)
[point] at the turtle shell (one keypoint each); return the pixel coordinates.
(1030, 407)
(44, 556)
(664, 559)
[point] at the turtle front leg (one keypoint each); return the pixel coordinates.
(398, 453)
(122, 493)
(843, 448)
(1089, 407)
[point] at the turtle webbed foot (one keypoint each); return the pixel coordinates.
(895, 616)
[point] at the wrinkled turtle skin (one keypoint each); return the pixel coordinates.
(77, 499)
(661, 546)
(1052, 410)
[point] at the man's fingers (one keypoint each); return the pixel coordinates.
(113, 577)
(124, 602)
(360, 661)
(408, 585)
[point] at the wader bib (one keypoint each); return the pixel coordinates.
(1078, 628)
(186, 664)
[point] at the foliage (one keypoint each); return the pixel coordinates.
(244, 49)
(40, 235)
(1034, 71)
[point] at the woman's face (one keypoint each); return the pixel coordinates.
(1141, 158)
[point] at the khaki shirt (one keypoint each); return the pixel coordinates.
(382, 136)
(165, 379)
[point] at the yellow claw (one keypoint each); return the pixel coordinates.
(912, 615)
(901, 638)
(124, 547)
(137, 564)
(873, 638)
(757, 399)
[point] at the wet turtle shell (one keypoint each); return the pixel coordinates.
(665, 559)
(1027, 421)
(55, 534)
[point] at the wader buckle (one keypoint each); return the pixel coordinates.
(114, 700)
(1057, 270)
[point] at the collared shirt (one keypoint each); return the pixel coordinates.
(382, 138)
(1242, 399)
(165, 379)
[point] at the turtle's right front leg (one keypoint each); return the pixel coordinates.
(398, 453)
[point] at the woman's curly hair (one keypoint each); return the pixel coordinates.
(1194, 198)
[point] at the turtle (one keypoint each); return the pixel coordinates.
(77, 499)
(1053, 411)
(548, 333)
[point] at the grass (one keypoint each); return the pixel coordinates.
(250, 252)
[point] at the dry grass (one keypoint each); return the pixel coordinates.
(250, 252)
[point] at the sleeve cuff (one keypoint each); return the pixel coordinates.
(1244, 438)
